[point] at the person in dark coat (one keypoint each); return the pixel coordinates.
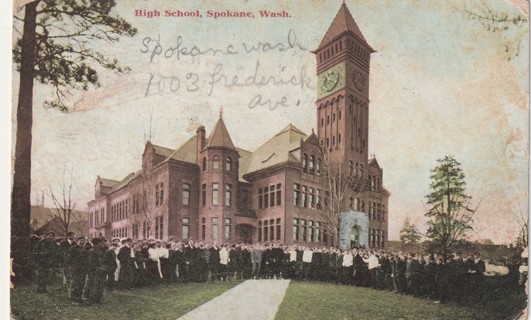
(96, 271)
(109, 260)
(125, 256)
(441, 280)
(63, 248)
(256, 260)
(44, 259)
(77, 260)
(412, 275)
(213, 262)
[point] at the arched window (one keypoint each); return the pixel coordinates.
(228, 164)
(204, 164)
(215, 163)
(312, 163)
(305, 162)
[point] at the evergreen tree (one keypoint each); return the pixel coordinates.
(56, 48)
(450, 213)
(409, 233)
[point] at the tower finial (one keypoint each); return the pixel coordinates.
(221, 112)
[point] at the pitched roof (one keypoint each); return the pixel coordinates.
(186, 152)
(343, 22)
(245, 158)
(219, 137)
(163, 151)
(108, 182)
(277, 150)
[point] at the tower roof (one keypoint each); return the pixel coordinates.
(220, 136)
(343, 22)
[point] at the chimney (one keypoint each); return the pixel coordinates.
(201, 141)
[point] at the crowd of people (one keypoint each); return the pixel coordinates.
(90, 267)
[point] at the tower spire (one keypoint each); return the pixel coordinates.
(221, 113)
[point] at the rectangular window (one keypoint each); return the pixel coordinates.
(186, 228)
(295, 229)
(260, 198)
(272, 196)
(310, 231)
(317, 231)
(227, 229)
(266, 229)
(135, 231)
(203, 228)
(266, 198)
(215, 193)
(312, 198)
(271, 232)
(303, 230)
(296, 194)
(203, 195)
(186, 195)
(159, 194)
(278, 233)
(279, 194)
(228, 195)
(215, 229)
(304, 196)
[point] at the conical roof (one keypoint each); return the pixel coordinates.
(343, 22)
(220, 136)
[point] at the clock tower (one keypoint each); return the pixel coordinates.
(343, 60)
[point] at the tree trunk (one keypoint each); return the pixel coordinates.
(21, 193)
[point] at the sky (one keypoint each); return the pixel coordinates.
(440, 84)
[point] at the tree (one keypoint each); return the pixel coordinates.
(522, 239)
(343, 188)
(55, 49)
(64, 206)
(450, 213)
(409, 234)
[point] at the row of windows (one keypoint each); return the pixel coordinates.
(97, 217)
(270, 196)
(120, 211)
(310, 164)
(215, 194)
(120, 232)
(268, 230)
(376, 211)
(215, 163)
(215, 229)
(328, 118)
(332, 50)
(376, 238)
(306, 197)
(307, 230)
(356, 170)
(375, 183)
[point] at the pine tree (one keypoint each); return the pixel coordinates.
(409, 234)
(450, 213)
(56, 48)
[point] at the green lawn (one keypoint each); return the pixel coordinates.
(309, 300)
(161, 302)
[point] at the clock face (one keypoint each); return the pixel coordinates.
(359, 80)
(331, 80)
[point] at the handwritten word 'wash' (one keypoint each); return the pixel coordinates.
(154, 49)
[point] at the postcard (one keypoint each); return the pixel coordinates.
(265, 147)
